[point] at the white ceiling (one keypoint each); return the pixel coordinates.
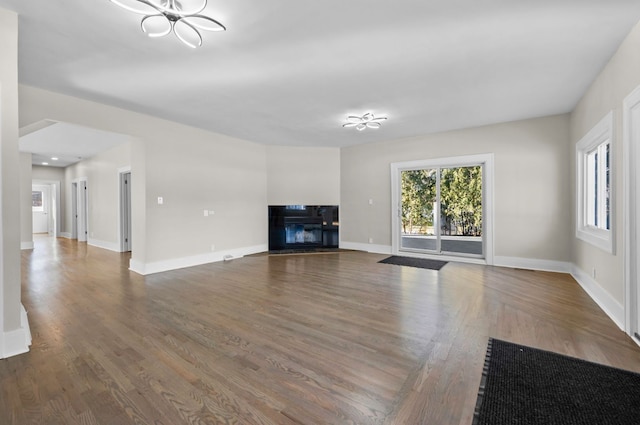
(288, 72)
(67, 142)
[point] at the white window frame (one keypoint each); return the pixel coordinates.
(600, 134)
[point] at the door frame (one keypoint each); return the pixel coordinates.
(487, 161)
(631, 210)
(124, 212)
(81, 227)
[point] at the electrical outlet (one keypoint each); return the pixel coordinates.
(160, 200)
(370, 240)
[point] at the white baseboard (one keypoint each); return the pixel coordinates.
(137, 266)
(366, 247)
(111, 246)
(17, 341)
(607, 303)
(533, 264)
(26, 245)
(66, 235)
(195, 260)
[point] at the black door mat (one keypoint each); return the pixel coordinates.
(422, 263)
(528, 386)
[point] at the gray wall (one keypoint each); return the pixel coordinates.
(103, 185)
(9, 175)
(619, 78)
(532, 192)
(191, 169)
(308, 176)
(26, 215)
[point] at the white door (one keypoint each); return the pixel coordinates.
(41, 208)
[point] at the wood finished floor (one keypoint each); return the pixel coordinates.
(310, 339)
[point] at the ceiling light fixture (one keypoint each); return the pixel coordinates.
(45, 163)
(180, 16)
(368, 120)
(54, 158)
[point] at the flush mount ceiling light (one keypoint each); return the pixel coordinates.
(180, 16)
(368, 120)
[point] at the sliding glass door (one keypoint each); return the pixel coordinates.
(440, 208)
(419, 207)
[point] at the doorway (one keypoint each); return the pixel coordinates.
(46, 207)
(443, 208)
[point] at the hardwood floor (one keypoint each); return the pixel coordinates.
(310, 339)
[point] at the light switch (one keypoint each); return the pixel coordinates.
(160, 200)
(206, 213)
(370, 201)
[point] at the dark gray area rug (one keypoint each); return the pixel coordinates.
(422, 263)
(527, 386)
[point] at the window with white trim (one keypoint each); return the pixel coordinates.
(36, 201)
(593, 182)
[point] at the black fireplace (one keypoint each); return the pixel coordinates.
(303, 227)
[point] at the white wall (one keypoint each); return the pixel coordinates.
(44, 174)
(14, 329)
(103, 186)
(26, 217)
(531, 184)
(619, 78)
(305, 176)
(41, 172)
(191, 169)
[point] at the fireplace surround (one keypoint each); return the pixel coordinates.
(303, 227)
